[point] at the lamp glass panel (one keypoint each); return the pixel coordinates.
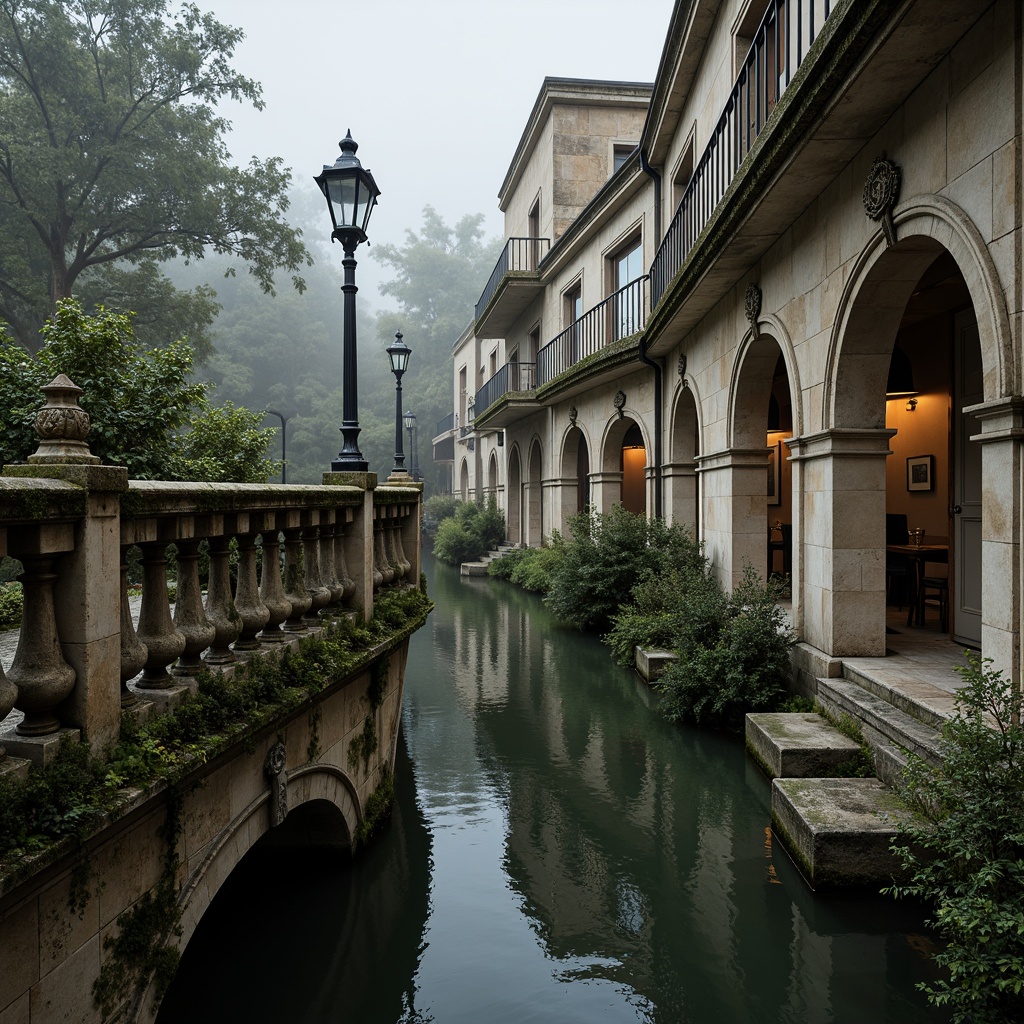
(409, 420)
(342, 196)
(399, 357)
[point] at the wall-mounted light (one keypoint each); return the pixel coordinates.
(912, 405)
(900, 383)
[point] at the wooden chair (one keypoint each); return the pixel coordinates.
(934, 591)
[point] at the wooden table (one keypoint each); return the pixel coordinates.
(917, 555)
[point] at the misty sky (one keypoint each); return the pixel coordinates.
(436, 92)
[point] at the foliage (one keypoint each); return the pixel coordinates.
(225, 444)
(113, 152)
(530, 568)
(965, 854)
(439, 508)
(137, 402)
(10, 605)
(732, 654)
(474, 530)
(378, 809)
(604, 555)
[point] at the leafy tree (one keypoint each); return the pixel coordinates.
(111, 152)
(137, 402)
(965, 853)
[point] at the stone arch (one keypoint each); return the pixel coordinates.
(876, 294)
(534, 503)
(574, 473)
(321, 786)
(624, 465)
(514, 496)
(680, 472)
(492, 475)
(464, 480)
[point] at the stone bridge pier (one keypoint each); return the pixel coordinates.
(92, 921)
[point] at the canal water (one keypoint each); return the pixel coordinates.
(557, 853)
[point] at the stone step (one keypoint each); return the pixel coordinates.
(928, 704)
(651, 662)
(838, 831)
(798, 745)
(881, 722)
(473, 569)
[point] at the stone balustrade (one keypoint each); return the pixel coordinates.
(297, 553)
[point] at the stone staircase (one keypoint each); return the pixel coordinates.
(479, 568)
(892, 720)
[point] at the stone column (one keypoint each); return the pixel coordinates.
(605, 490)
(271, 590)
(680, 481)
(842, 539)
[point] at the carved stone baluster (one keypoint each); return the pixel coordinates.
(189, 617)
(380, 559)
(220, 608)
(392, 546)
(254, 613)
(164, 643)
(347, 582)
(295, 583)
(319, 595)
(406, 564)
(39, 671)
(133, 650)
(329, 561)
(271, 591)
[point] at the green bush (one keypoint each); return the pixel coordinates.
(603, 558)
(530, 568)
(10, 605)
(964, 855)
(732, 655)
(474, 530)
(439, 508)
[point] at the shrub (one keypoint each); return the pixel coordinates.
(965, 853)
(439, 508)
(733, 654)
(473, 530)
(10, 605)
(530, 568)
(603, 557)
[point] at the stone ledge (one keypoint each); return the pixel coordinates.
(838, 831)
(797, 745)
(40, 750)
(651, 662)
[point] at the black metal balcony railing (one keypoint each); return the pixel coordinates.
(623, 313)
(445, 424)
(519, 254)
(785, 35)
(511, 377)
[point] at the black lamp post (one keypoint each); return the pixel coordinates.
(410, 425)
(398, 356)
(284, 441)
(351, 195)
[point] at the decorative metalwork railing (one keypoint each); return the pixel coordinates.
(519, 254)
(785, 35)
(445, 424)
(623, 313)
(511, 377)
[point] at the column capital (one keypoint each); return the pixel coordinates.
(841, 442)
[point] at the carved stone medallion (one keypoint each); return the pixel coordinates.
(881, 193)
(619, 401)
(752, 308)
(572, 414)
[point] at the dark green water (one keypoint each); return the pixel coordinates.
(558, 853)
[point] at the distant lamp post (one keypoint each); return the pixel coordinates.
(410, 425)
(398, 356)
(284, 440)
(351, 195)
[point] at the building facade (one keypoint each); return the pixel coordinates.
(711, 285)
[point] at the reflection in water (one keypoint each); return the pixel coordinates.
(585, 859)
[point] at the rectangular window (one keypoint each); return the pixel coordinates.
(626, 311)
(620, 154)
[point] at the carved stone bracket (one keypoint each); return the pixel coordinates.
(681, 368)
(274, 767)
(752, 308)
(881, 193)
(573, 414)
(619, 401)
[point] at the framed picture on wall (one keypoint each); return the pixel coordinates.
(775, 474)
(921, 473)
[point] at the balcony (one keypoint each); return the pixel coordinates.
(780, 45)
(444, 439)
(517, 379)
(513, 285)
(621, 315)
(445, 424)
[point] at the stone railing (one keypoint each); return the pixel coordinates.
(300, 553)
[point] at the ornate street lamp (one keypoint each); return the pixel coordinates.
(398, 356)
(284, 440)
(351, 195)
(410, 425)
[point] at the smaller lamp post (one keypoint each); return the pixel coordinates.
(398, 356)
(284, 440)
(410, 425)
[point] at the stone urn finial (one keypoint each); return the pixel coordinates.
(62, 426)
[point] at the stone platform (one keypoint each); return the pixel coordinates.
(651, 662)
(838, 830)
(798, 745)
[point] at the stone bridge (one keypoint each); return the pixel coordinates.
(303, 681)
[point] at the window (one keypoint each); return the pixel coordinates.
(683, 173)
(626, 311)
(534, 232)
(573, 312)
(620, 154)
